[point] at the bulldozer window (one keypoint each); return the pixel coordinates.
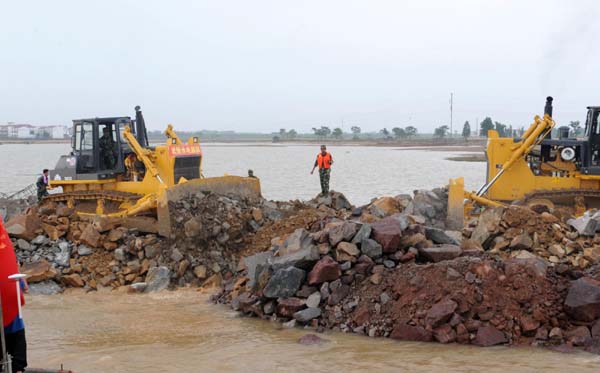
(87, 136)
(106, 143)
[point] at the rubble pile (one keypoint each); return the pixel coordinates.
(210, 233)
(521, 231)
(390, 270)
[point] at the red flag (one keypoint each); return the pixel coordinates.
(8, 266)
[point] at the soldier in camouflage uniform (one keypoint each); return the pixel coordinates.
(107, 149)
(324, 162)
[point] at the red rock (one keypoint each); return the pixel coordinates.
(411, 333)
(289, 306)
(52, 231)
(73, 280)
(38, 271)
(489, 336)
(23, 226)
(90, 236)
(409, 256)
(361, 315)
(326, 269)
(441, 312)
(445, 334)
(529, 324)
(583, 300)
(387, 232)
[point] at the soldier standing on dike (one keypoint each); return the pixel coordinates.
(324, 162)
(107, 149)
(42, 185)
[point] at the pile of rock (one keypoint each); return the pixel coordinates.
(53, 243)
(312, 277)
(385, 271)
(521, 231)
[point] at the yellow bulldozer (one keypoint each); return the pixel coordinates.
(536, 166)
(113, 171)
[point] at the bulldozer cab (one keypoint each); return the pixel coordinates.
(98, 146)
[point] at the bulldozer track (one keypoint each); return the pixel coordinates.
(108, 195)
(557, 195)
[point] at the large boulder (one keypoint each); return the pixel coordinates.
(489, 336)
(487, 224)
(256, 264)
(157, 279)
(303, 258)
(296, 241)
(384, 206)
(371, 248)
(325, 270)
(387, 232)
(411, 333)
(440, 252)
(90, 236)
(73, 280)
(284, 283)
(440, 237)
(23, 226)
(585, 225)
(441, 312)
(287, 307)
(340, 231)
(38, 271)
(583, 299)
(363, 233)
(307, 314)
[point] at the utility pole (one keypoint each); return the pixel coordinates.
(451, 99)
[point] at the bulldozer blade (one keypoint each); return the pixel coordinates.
(235, 186)
(456, 196)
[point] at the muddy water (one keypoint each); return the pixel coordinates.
(181, 332)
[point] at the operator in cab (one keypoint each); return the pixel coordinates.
(107, 149)
(324, 162)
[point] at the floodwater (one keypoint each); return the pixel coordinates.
(360, 172)
(181, 332)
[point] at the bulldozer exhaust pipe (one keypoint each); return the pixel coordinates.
(548, 107)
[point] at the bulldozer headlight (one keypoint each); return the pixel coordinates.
(195, 140)
(174, 141)
(567, 154)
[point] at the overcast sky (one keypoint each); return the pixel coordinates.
(257, 66)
